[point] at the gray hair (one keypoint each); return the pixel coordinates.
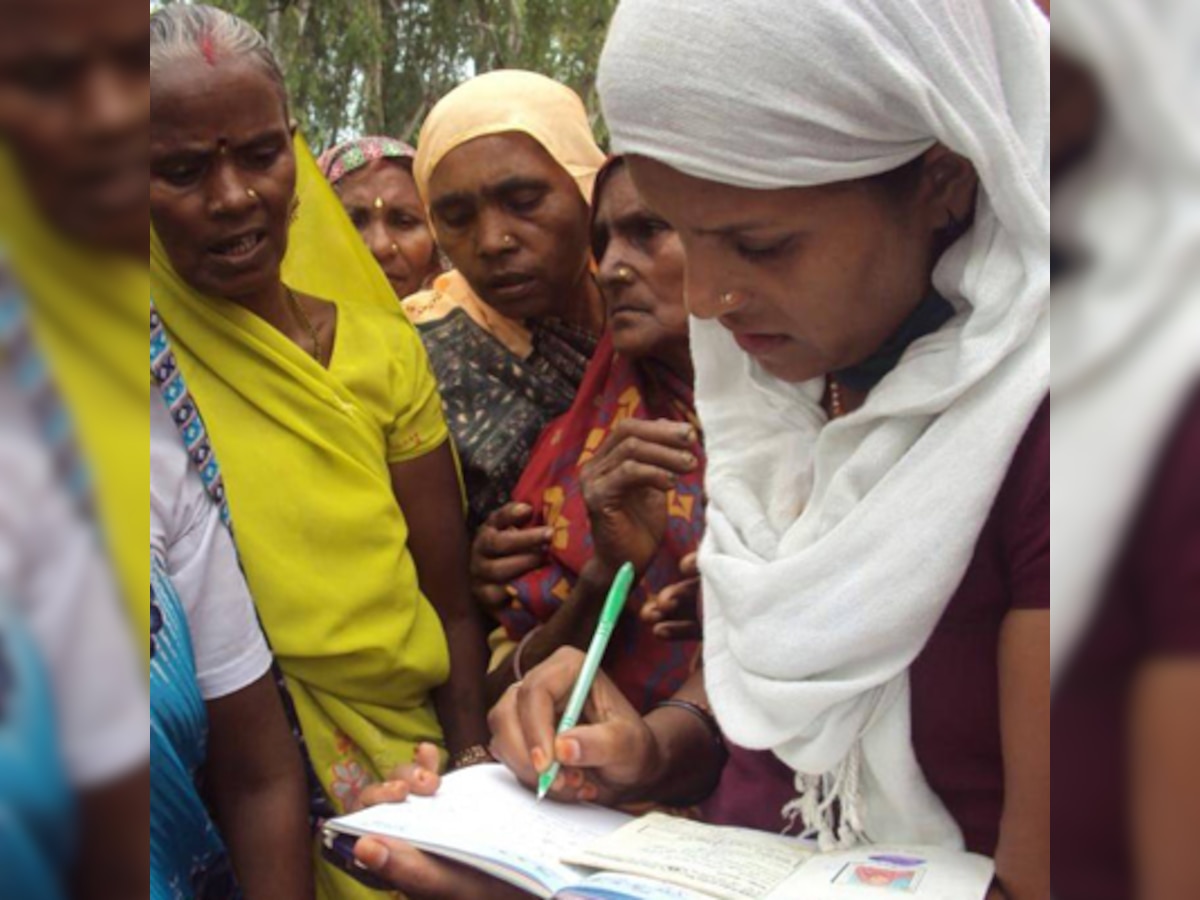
(184, 31)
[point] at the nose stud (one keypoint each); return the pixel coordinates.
(624, 274)
(508, 241)
(378, 204)
(252, 193)
(729, 298)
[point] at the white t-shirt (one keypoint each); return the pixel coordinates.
(53, 569)
(189, 539)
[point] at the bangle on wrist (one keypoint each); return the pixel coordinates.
(517, 669)
(472, 756)
(701, 712)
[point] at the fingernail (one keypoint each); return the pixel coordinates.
(538, 757)
(690, 461)
(568, 751)
(373, 855)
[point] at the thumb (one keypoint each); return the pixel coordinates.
(427, 756)
(512, 515)
(589, 746)
(400, 865)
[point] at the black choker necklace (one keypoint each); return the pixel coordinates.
(931, 314)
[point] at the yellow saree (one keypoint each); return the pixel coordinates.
(88, 313)
(305, 453)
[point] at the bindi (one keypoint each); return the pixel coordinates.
(208, 49)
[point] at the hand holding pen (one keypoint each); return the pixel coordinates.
(601, 761)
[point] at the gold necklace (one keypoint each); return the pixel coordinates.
(302, 318)
(837, 403)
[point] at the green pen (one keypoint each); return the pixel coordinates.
(613, 605)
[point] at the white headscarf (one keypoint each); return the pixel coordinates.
(833, 548)
(1127, 329)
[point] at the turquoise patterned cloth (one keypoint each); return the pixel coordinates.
(188, 860)
(36, 808)
(26, 367)
(37, 815)
(184, 413)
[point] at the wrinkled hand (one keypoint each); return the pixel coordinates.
(604, 761)
(419, 875)
(625, 487)
(675, 610)
(419, 777)
(505, 548)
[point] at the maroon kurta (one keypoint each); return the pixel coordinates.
(955, 680)
(1151, 610)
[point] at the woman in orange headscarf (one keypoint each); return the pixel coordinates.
(505, 168)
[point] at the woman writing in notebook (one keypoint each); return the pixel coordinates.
(864, 207)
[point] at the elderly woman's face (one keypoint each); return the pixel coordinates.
(641, 275)
(75, 109)
(222, 175)
(384, 206)
(513, 223)
(808, 280)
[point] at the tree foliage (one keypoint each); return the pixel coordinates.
(378, 66)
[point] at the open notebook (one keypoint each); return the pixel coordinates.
(483, 818)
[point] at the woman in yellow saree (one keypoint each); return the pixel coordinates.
(322, 408)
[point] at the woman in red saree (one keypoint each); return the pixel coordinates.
(618, 477)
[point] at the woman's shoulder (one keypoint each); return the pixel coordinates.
(435, 304)
(1020, 519)
(377, 331)
(1028, 480)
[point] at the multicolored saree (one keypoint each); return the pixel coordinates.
(645, 668)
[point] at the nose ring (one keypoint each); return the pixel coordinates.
(729, 298)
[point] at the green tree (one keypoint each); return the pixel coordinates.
(378, 66)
